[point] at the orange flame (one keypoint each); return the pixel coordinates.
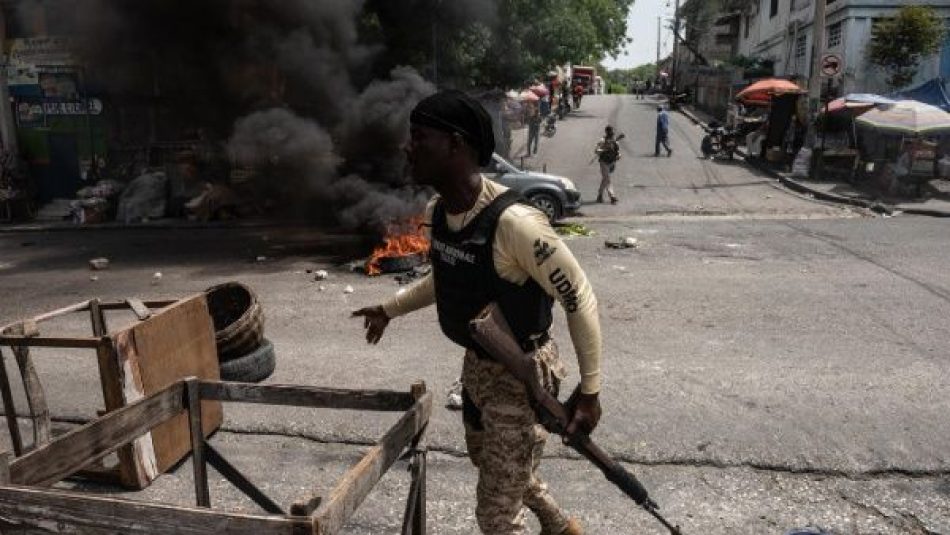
(402, 239)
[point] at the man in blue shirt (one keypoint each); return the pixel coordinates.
(662, 131)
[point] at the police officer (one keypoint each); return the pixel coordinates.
(488, 246)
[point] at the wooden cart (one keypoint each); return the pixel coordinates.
(28, 505)
(170, 340)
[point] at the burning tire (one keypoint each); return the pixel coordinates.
(252, 367)
(238, 319)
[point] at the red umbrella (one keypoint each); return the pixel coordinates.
(760, 93)
(540, 90)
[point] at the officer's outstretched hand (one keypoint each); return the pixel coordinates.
(375, 321)
(584, 411)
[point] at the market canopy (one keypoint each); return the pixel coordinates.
(933, 92)
(907, 117)
(857, 103)
(761, 92)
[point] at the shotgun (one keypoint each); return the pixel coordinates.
(490, 330)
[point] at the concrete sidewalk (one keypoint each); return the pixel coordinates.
(843, 192)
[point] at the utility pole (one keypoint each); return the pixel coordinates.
(7, 122)
(814, 81)
(676, 45)
(656, 73)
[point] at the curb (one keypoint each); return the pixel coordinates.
(875, 206)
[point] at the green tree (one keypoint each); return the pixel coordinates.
(898, 43)
(495, 43)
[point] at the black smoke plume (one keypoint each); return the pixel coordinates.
(284, 81)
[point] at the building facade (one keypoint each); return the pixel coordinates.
(783, 30)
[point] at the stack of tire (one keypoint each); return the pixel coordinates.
(243, 352)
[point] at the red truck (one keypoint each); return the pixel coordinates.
(584, 76)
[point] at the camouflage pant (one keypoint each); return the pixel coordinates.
(505, 443)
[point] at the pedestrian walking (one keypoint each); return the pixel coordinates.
(488, 246)
(607, 152)
(533, 119)
(662, 131)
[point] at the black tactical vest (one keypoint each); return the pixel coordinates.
(465, 278)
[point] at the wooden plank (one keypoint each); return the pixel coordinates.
(77, 307)
(307, 396)
(41, 341)
(359, 480)
(141, 311)
(33, 388)
(80, 447)
(5, 459)
(98, 318)
(9, 408)
(243, 484)
(416, 517)
(202, 495)
(136, 467)
(43, 511)
(124, 305)
(175, 343)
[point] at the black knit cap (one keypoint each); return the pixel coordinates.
(453, 111)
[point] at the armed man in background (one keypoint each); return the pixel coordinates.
(488, 246)
(607, 152)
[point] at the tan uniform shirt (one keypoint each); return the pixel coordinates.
(526, 246)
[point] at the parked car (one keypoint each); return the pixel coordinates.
(554, 195)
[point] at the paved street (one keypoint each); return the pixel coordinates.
(770, 361)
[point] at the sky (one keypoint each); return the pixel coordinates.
(641, 26)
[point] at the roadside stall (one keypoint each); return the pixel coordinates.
(904, 145)
(780, 134)
(838, 155)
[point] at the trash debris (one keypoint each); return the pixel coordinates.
(321, 275)
(156, 277)
(93, 278)
(143, 198)
(453, 400)
(99, 263)
(573, 229)
(627, 242)
(802, 163)
(415, 273)
(322, 288)
(348, 290)
(356, 266)
(262, 259)
(401, 291)
(620, 268)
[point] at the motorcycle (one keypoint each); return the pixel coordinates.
(719, 142)
(550, 125)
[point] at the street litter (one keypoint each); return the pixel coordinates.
(453, 400)
(322, 288)
(573, 229)
(320, 275)
(348, 290)
(156, 277)
(415, 273)
(262, 259)
(93, 278)
(627, 242)
(99, 263)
